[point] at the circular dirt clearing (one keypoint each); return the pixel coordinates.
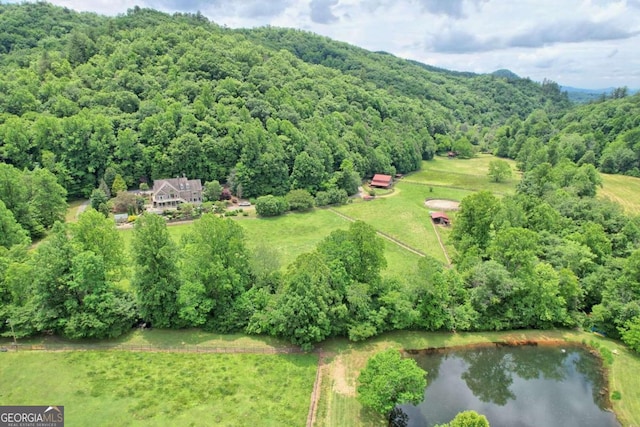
(441, 204)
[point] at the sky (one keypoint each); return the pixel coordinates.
(581, 43)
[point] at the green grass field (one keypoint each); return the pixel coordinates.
(404, 216)
(297, 233)
(119, 388)
(624, 190)
(467, 174)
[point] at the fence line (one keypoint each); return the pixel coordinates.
(151, 348)
(315, 393)
(382, 234)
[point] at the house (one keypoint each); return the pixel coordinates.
(169, 193)
(440, 218)
(382, 181)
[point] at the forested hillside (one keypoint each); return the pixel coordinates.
(605, 134)
(151, 95)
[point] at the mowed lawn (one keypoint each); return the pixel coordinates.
(624, 190)
(296, 233)
(467, 174)
(118, 388)
(403, 215)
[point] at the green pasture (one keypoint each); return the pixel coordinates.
(466, 174)
(338, 406)
(161, 339)
(292, 234)
(109, 388)
(297, 233)
(404, 216)
(624, 190)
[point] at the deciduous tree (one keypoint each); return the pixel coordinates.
(499, 170)
(389, 380)
(156, 278)
(216, 271)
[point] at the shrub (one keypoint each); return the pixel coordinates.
(322, 198)
(337, 196)
(333, 196)
(219, 207)
(606, 354)
(300, 200)
(271, 205)
(225, 194)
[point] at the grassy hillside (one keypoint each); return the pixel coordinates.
(624, 190)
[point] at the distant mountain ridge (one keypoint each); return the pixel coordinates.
(581, 95)
(503, 72)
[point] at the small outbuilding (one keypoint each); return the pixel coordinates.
(382, 181)
(440, 218)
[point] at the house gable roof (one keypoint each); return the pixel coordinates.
(177, 184)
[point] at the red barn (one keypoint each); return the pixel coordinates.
(382, 181)
(440, 218)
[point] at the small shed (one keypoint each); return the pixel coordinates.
(440, 218)
(382, 181)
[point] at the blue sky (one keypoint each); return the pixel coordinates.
(582, 43)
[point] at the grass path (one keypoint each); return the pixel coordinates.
(444, 250)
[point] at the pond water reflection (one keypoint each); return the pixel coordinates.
(513, 387)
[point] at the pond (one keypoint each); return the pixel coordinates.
(513, 387)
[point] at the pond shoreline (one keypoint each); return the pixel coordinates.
(604, 391)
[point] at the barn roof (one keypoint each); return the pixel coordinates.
(436, 215)
(380, 180)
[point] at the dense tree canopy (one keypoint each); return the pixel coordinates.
(147, 95)
(389, 380)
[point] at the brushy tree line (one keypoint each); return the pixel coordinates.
(551, 255)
